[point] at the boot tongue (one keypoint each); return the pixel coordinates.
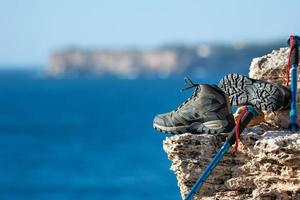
(193, 96)
(190, 84)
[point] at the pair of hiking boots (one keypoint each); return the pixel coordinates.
(208, 110)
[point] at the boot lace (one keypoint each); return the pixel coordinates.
(190, 84)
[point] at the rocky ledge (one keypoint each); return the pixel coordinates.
(267, 165)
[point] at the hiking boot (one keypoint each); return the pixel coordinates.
(263, 95)
(206, 111)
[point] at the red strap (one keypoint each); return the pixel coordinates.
(238, 128)
(288, 66)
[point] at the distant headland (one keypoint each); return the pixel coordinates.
(162, 62)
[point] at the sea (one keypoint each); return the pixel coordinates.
(86, 138)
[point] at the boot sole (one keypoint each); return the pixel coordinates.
(210, 127)
(246, 91)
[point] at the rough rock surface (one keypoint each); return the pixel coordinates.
(271, 67)
(267, 165)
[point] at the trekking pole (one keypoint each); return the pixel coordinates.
(294, 42)
(251, 112)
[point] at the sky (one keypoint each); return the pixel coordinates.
(31, 29)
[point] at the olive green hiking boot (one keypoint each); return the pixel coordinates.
(206, 111)
(263, 95)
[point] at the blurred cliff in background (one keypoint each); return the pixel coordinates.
(200, 60)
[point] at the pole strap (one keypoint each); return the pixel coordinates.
(238, 128)
(288, 66)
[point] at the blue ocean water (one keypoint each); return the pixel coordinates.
(85, 138)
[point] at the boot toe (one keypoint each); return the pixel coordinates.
(161, 120)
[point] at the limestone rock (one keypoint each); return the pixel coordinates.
(272, 67)
(267, 165)
(190, 154)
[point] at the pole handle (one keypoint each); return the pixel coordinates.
(295, 41)
(251, 112)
